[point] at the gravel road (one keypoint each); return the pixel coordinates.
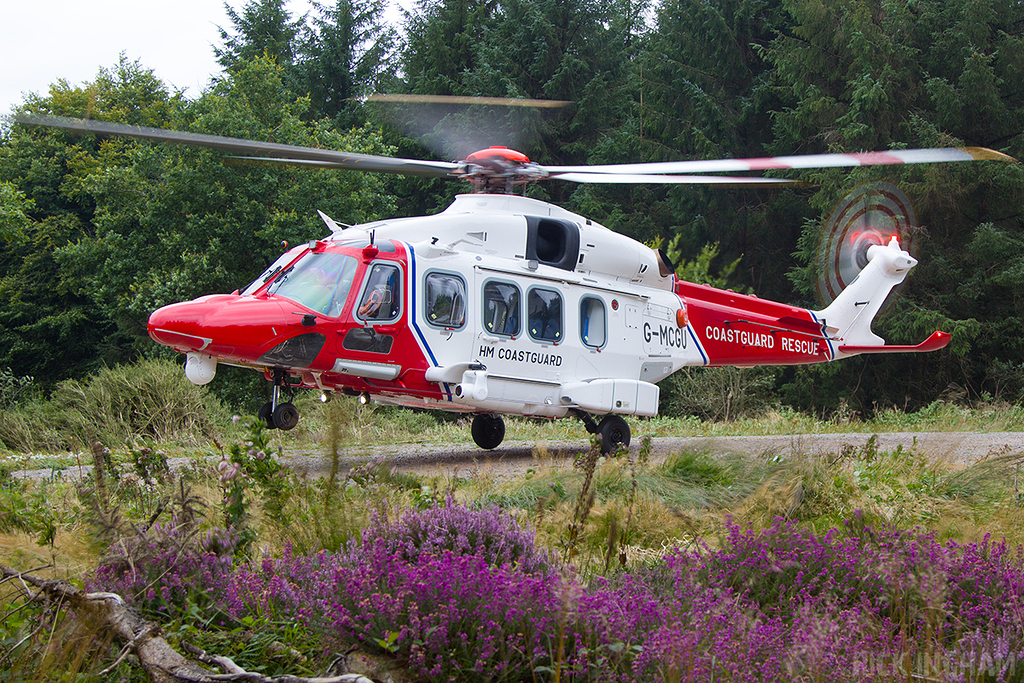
(512, 458)
(960, 449)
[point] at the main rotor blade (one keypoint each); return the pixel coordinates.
(458, 99)
(724, 181)
(281, 153)
(891, 157)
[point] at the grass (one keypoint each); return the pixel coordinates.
(603, 516)
(118, 406)
(635, 511)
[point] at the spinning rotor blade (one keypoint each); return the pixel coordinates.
(515, 165)
(457, 99)
(903, 156)
(635, 178)
(279, 152)
(455, 126)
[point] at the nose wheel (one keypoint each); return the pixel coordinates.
(488, 430)
(278, 414)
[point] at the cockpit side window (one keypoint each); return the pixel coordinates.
(382, 294)
(318, 281)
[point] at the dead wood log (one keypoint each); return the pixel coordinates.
(108, 613)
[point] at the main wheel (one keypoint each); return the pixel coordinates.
(286, 416)
(266, 413)
(614, 434)
(488, 430)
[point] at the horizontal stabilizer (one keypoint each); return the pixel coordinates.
(938, 340)
(800, 325)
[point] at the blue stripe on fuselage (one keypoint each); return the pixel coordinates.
(413, 280)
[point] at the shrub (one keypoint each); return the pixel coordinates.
(489, 533)
(167, 568)
(15, 390)
(859, 604)
(717, 393)
(149, 399)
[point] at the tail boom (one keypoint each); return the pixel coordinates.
(738, 330)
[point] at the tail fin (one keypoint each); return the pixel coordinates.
(849, 317)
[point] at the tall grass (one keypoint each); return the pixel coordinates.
(150, 399)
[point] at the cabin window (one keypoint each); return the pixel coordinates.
(545, 307)
(382, 294)
(320, 282)
(593, 322)
(501, 309)
(445, 300)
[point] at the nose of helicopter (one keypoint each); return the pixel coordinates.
(182, 325)
(214, 322)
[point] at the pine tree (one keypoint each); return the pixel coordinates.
(870, 74)
(263, 27)
(345, 54)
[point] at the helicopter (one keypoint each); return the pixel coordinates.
(507, 305)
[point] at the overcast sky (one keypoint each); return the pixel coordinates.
(47, 40)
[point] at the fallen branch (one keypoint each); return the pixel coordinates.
(107, 612)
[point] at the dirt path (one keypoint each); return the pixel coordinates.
(513, 458)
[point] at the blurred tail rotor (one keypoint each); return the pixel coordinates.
(872, 214)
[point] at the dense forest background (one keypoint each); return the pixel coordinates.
(96, 233)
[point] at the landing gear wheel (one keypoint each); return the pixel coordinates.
(286, 416)
(614, 434)
(266, 413)
(488, 430)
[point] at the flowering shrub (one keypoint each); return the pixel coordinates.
(167, 568)
(489, 533)
(780, 604)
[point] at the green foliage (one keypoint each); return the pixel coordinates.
(253, 464)
(698, 468)
(26, 509)
(150, 399)
(13, 217)
(870, 75)
(345, 54)
(14, 390)
(698, 270)
(717, 393)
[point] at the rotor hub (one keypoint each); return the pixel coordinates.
(498, 170)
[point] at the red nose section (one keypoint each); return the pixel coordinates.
(221, 325)
(181, 326)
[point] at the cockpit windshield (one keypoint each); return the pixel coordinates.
(275, 267)
(318, 281)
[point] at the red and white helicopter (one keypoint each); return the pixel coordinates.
(506, 305)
